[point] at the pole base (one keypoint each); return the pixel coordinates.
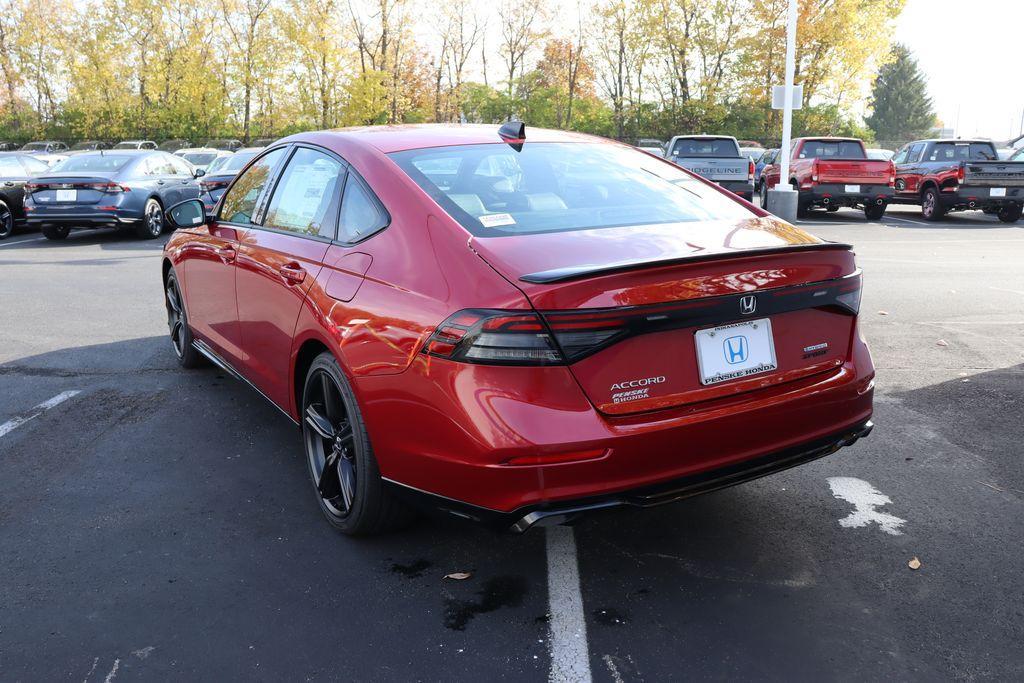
(783, 204)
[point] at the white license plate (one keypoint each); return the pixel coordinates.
(67, 195)
(997, 192)
(853, 188)
(735, 351)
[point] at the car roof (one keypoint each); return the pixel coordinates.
(203, 149)
(963, 140)
(397, 138)
(830, 138)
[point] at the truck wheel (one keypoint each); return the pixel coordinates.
(931, 207)
(763, 192)
(802, 208)
(1010, 213)
(874, 212)
(55, 232)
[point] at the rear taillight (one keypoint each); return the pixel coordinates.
(892, 174)
(960, 174)
(750, 170)
(32, 187)
(211, 185)
(848, 294)
(109, 188)
(494, 338)
(814, 171)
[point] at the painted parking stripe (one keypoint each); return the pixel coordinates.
(570, 655)
(14, 423)
(11, 244)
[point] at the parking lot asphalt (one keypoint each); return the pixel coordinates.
(158, 523)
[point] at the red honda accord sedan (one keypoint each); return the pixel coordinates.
(517, 326)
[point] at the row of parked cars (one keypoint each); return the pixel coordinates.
(939, 175)
(127, 185)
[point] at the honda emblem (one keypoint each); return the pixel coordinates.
(748, 304)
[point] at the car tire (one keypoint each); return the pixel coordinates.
(1010, 213)
(152, 223)
(56, 232)
(931, 206)
(6, 221)
(763, 193)
(874, 212)
(802, 208)
(177, 324)
(351, 494)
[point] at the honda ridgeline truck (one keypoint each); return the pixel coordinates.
(715, 157)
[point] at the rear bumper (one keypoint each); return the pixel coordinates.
(467, 430)
(81, 219)
(841, 194)
(547, 514)
(973, 197)
(744, 188)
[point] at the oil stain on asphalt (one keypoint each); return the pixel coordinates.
(411, 571)
(501, 591)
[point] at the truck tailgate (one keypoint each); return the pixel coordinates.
(717, 170)
(854, 171)
(994, 173)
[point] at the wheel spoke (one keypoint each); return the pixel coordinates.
(328, 483)
(347, 480)
(331, 399)
(176, 334)
(172, 298)
(344, 434)
(320, 424)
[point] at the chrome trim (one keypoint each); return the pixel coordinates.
(203, 348)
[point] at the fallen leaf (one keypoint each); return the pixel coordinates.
(942, 342)
(458, 576)
(965, 380)
(914, 563)
(883, 313)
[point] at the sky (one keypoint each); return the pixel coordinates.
(971, 52)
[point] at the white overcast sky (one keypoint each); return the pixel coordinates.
(972, 52)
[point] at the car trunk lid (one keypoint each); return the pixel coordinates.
(71, 189)
(626, 306)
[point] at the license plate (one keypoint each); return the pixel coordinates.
(853, 188)
(735, 351)
(997, 192)
(67, 195)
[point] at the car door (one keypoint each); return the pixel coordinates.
(910, 170)
(280, 257)
(208, 259)
(770, 172)
(179, 182)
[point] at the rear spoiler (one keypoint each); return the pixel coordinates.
(544, 277)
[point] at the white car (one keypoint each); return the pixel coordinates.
(48, 151)
(201, 157)
(880, 154)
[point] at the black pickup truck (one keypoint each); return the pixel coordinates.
(957, 175)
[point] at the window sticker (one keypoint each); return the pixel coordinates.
(493, 220)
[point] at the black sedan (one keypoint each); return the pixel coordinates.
(15, 170)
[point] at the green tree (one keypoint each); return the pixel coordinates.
(902, 108)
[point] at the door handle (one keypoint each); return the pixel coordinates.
(293, 273)
(226, 253)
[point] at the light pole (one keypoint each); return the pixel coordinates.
(782, 201)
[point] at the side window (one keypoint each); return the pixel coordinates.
(33, 165)
(177, 166)
(305, 200)
(900, 156)
(914, 154)
(361, 214)
(239, 203)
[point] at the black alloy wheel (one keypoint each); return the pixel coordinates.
(6, 221)
(152, 220)
(177, 325)
(341, 464)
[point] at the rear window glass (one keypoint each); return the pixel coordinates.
(705, 148)
(818, 149)
(10, 166)
(235, 162)
(35, 147)
(93, 162)
(493, 190)
(962, 151)
(199, 158)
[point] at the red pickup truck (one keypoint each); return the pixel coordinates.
(958, 175)
(834, 172)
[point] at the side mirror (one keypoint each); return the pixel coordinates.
(200, 172)
(187, 214)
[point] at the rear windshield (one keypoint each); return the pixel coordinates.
(35, 146)
(235, 162)
(705, 148)
(93, 162)
(127, 145)
(494, 190)
(817, 149)
(963, 151)
(199, 158)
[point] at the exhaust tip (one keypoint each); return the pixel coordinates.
(878, 201)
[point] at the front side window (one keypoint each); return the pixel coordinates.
(493, 190)
(239, 203)
(305, 200)
(177, 165)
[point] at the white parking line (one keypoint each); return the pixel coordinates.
(14, 423)
(866, 500)
(11, 244)
(570, 655)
